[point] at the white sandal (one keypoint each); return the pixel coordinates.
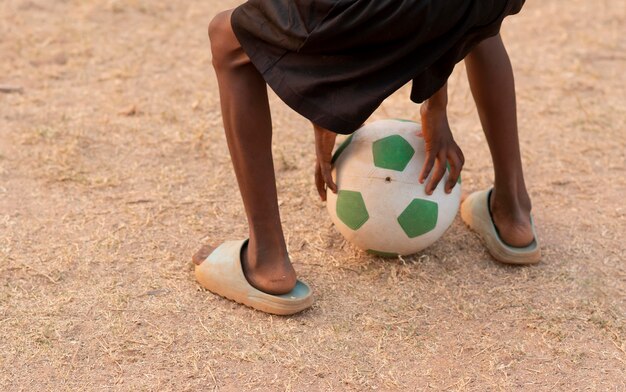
(476, 213)
(222, 274)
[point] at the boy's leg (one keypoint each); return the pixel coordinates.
(491, 80)
(248, 126)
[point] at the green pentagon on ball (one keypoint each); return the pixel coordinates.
(351, 209)
(392, 152)
(419, 217)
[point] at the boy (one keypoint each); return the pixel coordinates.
(334, 62)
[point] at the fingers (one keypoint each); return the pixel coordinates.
(319, 182)
(456, 165)
(428, 166)
(324, 179)
(438, 173)
(327, 175)
(324, 143)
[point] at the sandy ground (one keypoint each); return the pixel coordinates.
(114, 170)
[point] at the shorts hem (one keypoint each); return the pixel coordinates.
(266, 63)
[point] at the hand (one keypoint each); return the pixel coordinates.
(440, 148)
(324, 144)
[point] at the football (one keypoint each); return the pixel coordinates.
(380, 206)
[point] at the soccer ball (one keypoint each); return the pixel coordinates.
(380, 205)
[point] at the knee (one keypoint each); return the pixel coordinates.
(221, 37)
(217, 25)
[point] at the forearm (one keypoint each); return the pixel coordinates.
(434, 114)
(441, 149)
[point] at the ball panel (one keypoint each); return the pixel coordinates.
(419, 217)
(341, 148)
(392, 152)
(383, 128)
(351, 209)
(355, 160)
(411, 172)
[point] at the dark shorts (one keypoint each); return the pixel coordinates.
(335, 61)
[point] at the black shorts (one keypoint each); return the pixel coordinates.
(335, 61)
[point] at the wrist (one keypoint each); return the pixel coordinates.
(433, 112)
(436, 104)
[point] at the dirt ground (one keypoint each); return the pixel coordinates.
(114, 170)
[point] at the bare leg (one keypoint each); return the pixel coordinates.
(491, 80)
(248, 126)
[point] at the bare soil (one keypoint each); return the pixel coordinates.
(114, 170)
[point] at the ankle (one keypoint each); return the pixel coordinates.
(514, 210)
(266, 253)
(511, 199)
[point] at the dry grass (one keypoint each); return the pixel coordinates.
(113, 170)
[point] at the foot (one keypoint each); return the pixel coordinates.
(276, 278)
(512, 220)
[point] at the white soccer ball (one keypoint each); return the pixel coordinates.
(380, 206)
